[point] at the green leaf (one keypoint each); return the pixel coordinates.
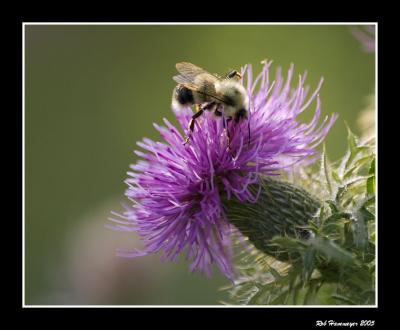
(281, 298)
(367, 201)
(332, 206)
(308, 262)
(362, 216)
(371, 180)
(366, 214)
(331, 250)
(356, 179)
(326, 169)
(310, 296)
(288, 243)
(335, 176)
(342, 167)
(359, 277)
(369, 255)
(336, 216)
(360, 229)
(352, 143)
(354, 148)
(275, 273)
(348, 239)
(357, 165)
(343, 299)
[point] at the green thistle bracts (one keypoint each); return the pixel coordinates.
(282, 209)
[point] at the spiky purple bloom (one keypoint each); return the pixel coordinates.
(176, 190)
(366, 36)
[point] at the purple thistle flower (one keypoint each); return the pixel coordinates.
(366, 36)
(176, 190)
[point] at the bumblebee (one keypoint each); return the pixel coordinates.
(208, 92)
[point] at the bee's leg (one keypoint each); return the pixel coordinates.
(225, 121)
(217, 113)
(192, 121)
(228, 135)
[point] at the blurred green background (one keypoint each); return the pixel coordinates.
(91, 93)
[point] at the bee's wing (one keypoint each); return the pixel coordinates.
(191, 71)
(181, 79)
(210, 93)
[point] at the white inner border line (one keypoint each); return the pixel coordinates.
(24, 24)
(199, 23)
